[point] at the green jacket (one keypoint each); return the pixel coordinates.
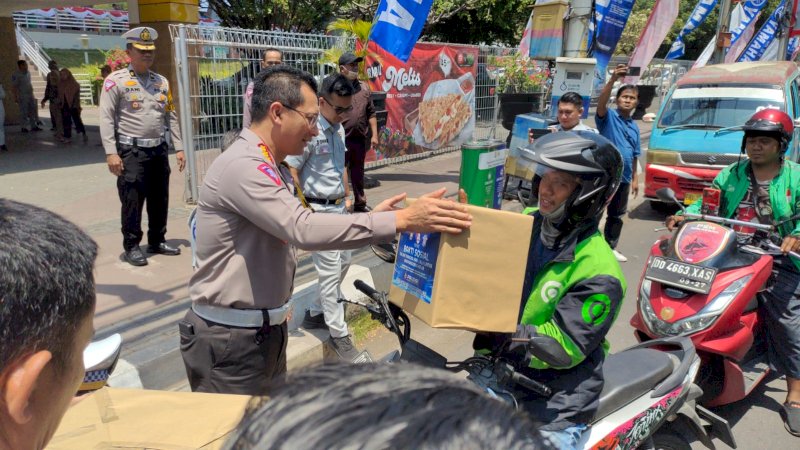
(784, 194)
(574, 299)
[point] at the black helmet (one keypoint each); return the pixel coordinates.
(591, 157)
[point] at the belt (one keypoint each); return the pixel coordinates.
(139, 142)
(325, 201)
(246, 318)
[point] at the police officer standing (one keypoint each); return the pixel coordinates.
(137, 121)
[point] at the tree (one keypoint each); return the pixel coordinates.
(462, 21)
(291, 15)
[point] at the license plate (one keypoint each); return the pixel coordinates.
(690, 277)
(691, 197)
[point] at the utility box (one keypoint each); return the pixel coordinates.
(573, 75)
(547, 38)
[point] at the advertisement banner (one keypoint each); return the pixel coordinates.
(698, 16)
(653, 35)
(765, 36)
(751, 8)
(736, 49)
(430, 99)
(398, 24)
(609, 21)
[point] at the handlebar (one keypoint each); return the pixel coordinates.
(532, 385)
(722, 220)
(368, 290)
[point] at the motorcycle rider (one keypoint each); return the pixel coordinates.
(573, 285)
(766, 189)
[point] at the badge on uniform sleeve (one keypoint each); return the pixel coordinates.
(130, 83)
(267, 170)
(109, 84)
(170, 106)
(136, 105)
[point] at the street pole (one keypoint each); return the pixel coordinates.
(577, 28)
(783, 31)
(723, 30)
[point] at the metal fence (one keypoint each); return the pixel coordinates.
(63, 22)
(216, 64)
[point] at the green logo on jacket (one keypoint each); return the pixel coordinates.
(596, 309)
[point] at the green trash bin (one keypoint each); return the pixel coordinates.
(483, 172)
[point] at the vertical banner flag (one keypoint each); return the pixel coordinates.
(751, 8)
(737, 48)
(736, 18)
(653, 35)
(698, 16)
(609, 21)
(430, 99)
(771, 53)
(525, 43)
(765, 36)
(398, 24)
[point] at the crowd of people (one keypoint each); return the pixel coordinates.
(287, 182)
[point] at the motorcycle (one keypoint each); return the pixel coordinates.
(648, 398)
(703, 284)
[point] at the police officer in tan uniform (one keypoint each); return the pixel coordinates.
(249, 227)
(137, 122)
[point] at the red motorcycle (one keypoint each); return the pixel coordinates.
(702, 283)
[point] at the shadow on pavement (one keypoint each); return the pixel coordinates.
(41, 151)
(422, 178)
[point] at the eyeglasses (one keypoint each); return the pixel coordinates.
(312, 119)
(338, 109)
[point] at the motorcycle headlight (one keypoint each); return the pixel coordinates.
(698, 322)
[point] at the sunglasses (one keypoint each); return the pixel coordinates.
(338, 109)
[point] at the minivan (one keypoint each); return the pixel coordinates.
(697, 130)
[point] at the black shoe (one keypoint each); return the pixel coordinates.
(3, 148)
(135, 257)
(362, 208)
(310, 322)
(370, 183)
(163, 249)
(344, 348)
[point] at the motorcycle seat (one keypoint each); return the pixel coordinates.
(628, 375)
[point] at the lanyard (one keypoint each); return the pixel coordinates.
(268, 158)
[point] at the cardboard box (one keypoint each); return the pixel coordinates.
(470, 281)
(113, 418)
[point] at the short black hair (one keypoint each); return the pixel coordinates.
(382, 406)
(336, 84)
(229, 138)
(47, 283)
(281, 84)
(628, 87)
(271, 49)
(572, 97)
(21, 62)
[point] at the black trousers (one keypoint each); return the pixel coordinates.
(357, 148)
(69, 115)
(227, 360)
(617, 209)
(145, 178)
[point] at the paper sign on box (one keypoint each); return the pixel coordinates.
(468, 281)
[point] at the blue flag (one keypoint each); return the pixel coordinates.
(698, 16)
(766, 34)
(609, 21)
(398, 24)
(751, 9)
